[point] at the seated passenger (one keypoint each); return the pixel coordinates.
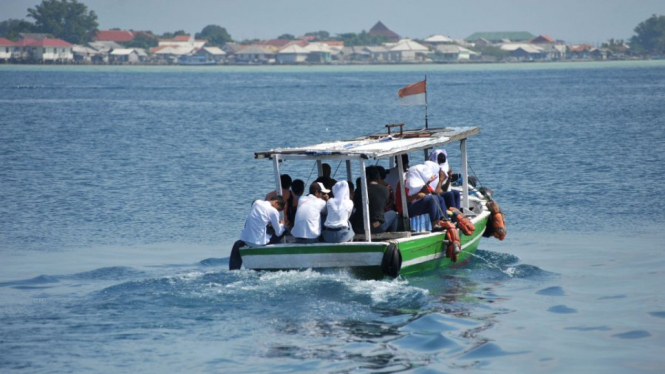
(264, 214)
(285, 181)
(377, 194)
(325, 178)
(452, 197)
(307, 223)
(297, 188)
(421, 196)
(336, 228)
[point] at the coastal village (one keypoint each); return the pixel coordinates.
(108, 47)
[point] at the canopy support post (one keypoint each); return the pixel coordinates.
(465, 177)
(402, 191)
(278, 180)
(349, 175)
(365, 201)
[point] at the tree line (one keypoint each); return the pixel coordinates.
(71, 21)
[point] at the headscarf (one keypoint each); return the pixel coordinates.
(340, 206)
(419, 175)
(435, 158)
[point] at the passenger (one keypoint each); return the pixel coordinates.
(377, 194)
(390, 205)
(264, 214)
(327, 181)
(452, 197)
(352, 189)
(285, 181)
(392, 178)
(307, 223)
(336, 228)
(298, 188)
(421, 196)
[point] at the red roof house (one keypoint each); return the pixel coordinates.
(117, 36)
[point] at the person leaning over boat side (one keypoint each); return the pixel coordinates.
(307, 224)
(336, 228)
(420, 196)
(255, 233)
(452, 197)
(285, 181)
(377, 195)
(264, 214)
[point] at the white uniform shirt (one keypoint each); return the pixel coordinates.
(256, 231)
(307, 223)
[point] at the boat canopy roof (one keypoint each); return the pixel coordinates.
(375, 146)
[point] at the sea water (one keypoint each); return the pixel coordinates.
(122, 190)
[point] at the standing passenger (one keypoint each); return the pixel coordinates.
(337, 228)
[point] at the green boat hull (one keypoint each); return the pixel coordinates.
(419, 253)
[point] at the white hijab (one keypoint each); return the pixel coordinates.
(434, 157)
(419, 175)
(339, 207)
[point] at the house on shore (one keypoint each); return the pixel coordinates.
(501, 36)
(380, 30)
(292, 54)
(8, 50)
(255, 54)
(407, 50)
(45, 50)
(444, 53)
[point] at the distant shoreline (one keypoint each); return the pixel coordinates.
(342, 67)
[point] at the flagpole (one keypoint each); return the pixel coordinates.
(426, 124)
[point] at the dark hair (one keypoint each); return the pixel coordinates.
(325, 168)
(405, 160)
(281, 203)
(352, 188)
(298, 187)
(382, 171)
(372, 174)
(441, 158)
(285, 180)
(314, 188)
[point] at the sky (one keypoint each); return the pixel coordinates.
(574, 21)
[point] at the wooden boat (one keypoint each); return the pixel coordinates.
(375, 255)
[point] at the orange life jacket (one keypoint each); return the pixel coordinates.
(497, 220)
(454, 246)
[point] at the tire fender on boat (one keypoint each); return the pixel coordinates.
(392, 261)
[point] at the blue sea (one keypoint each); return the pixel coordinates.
(122, 190)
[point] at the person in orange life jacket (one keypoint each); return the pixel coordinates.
(422, 184)
(307, 224)
(336, 228)
(452, 197)
(377, 194)
(285, 181)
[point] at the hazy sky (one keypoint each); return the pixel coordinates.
(575, 21)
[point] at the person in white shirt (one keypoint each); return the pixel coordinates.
(450, 196)
(264, 213)
(307, 225)
(255, 233)
(336, 228)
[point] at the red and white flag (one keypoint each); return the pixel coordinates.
(414, 94)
